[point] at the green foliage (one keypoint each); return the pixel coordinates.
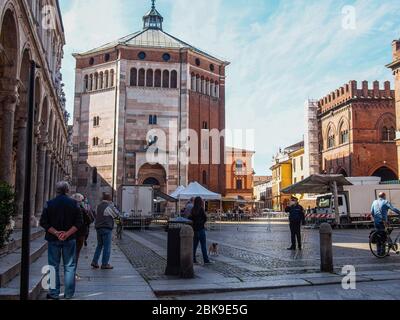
(7, 211)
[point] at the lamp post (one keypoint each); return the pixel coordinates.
(26, 222)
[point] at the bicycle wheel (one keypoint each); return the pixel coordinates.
(378, 245)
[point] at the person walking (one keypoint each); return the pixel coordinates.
(83, 232)
(379, 211)
(105, 215)
(296, 219)
(61, 219)
(199, 219)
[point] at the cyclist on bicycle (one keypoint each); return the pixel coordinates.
(379, 211)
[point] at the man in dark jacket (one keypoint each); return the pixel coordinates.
(105, 215)
(61, 219)
(296, 219)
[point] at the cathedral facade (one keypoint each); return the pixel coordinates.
(148, 93)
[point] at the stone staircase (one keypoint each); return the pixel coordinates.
(10, 265)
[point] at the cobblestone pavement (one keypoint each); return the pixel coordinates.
(248, 251)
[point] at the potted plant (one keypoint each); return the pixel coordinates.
(7, 212)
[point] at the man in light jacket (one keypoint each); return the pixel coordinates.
(105, 215)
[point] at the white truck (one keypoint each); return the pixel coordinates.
(137, 205)
(354, 201)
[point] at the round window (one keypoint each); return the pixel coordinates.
(142, 55)
(166, 57)
(91, 61)
(107, 57)
(212, 68)
(198, 62)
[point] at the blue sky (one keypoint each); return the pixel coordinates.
(282, 52)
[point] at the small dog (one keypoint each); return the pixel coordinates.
(213, 250)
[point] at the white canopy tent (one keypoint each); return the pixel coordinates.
(177, 192)
(195, 189)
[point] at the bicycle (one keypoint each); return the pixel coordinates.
(120, 227)
(383, 240)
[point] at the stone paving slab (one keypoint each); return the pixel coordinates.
(121, 283)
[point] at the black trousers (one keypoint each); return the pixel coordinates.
(295, 230)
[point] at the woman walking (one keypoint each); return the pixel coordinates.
(199, 218)
(83, 232)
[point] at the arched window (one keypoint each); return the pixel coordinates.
(392, 134)
(344, 133)
(331, 138)
(107, 80)
(142, 74)
(166, 79)
(96, 121)
(203, 85)
(388, 134)
(86, 83)
(91, 82)
(101, 80)
(385, 134)
(96, 81)
(216, 88)
(94, 176)
(157, 79)
(212, 88)
(152, 120)
(204, 177)
(149, 78)
(198, 83)
(133, 77)
(239, 167)
(193, 84)
(95, 142)
(174, 79)
(112, 78)
(208, 87)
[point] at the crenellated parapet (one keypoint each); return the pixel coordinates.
(351, 91)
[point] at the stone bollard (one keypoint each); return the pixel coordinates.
(186, 235)
(325, 232)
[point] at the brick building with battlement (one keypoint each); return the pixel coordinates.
(357, 128)
(395, 67)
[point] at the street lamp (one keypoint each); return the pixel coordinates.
(26, 222)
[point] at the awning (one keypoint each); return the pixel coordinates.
(317, 184)
(162, 195)
(195, 189)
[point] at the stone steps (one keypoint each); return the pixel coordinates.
(16, 241)
(12, 289)
(10, 264)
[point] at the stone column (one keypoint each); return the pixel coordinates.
(40, 179)
(47, 179)
(21, 167)
(9, 101)
(53, 185)
(34, 178)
